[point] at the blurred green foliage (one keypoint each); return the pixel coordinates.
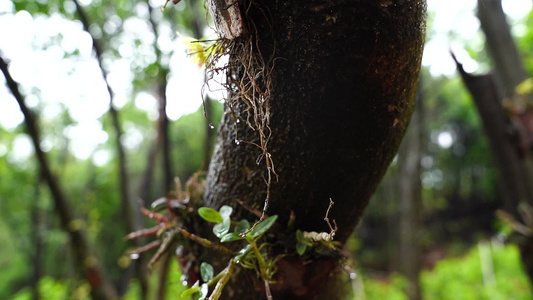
(461, 278)
(391, 289)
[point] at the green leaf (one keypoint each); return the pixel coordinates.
(210, 215)
(263, 226)
(191, 291)
(242, 253)
(243, 226)
(299, 235)
(207, 272)
(225, 211)
(230, 237)
(221, 229)
(300, 248)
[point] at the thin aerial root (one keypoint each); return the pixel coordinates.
(248, 80)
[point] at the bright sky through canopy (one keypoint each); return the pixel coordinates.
(55, 82)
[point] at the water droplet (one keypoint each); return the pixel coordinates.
(134, 256)
(179, 250)
(211, 126)
(353, 275)
(237, 141)
(238, 121)
(183, 278)
(184, 283)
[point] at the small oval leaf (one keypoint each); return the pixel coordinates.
(207, 271)
(221, 229)
(243, 226)
(299, 235)
(242, 253)
(230, 237)
(263, 226)
(210, 215)
(300, 248)
(225, 211)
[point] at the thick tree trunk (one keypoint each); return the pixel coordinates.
(344, 79)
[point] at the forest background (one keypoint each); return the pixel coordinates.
(155, 104)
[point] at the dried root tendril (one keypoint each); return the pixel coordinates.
(248, 81)
(323, 236)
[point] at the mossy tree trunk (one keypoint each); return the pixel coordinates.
(343, 84)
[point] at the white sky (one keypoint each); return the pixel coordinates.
(76, 82)
(458, 17)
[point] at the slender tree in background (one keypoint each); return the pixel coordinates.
(501, 47)
(510, 156)
(410, 198)
(38, 224)
(87, 265)
(163, 138)
(343, 80)
(130, 208)
(510, 72)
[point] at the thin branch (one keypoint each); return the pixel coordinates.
(146, 248)
(205, 242)
(197, 26)
(146, 179)
(326, 218)
(217, 292)
(101, 288)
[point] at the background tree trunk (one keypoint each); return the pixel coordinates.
(410, 199)
(344, 80)
(38, 215)
(510, 73)
(501, 46)
(86, 263)
(512, 169)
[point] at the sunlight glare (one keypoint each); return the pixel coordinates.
(517, 9)
(445, 139)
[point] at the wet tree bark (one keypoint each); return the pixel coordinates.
(344, 80)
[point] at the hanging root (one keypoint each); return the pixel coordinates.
(248, 80)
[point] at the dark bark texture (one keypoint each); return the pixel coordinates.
(344, 80)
